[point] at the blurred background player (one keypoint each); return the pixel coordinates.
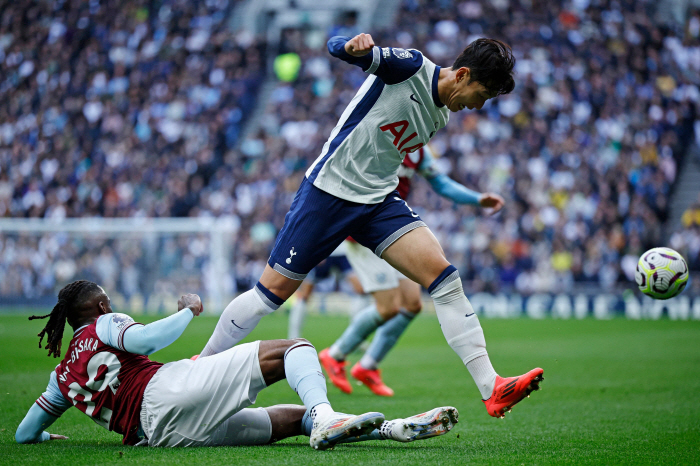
(397, 300)
(337, 266)
(107, 375)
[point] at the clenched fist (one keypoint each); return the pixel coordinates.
(492, 201)
(192, 301)
(360, 45)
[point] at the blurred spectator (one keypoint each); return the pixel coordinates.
(134, 110)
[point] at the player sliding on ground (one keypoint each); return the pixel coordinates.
(397, 300)
(350, 191)
(107, 375)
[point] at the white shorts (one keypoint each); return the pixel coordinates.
(374, 273)
(201, 403)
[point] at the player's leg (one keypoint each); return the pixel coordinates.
(386, 305)
(297, 313)
(314, 226)
(418, 255)
(367, 370)
(390, 331)
(244, 313)
(187, 401)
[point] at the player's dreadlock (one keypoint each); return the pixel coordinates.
(70, 297)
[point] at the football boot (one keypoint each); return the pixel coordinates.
(509, 391)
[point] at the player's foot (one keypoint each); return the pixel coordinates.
(338, 427)
(371, 378)
(335, 370)
(508, 392)
(194, 358)
(438, 421)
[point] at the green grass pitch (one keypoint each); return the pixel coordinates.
(615, 392)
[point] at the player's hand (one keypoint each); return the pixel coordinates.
(360, 45)
(57, 437)
(192, 301)
(491, 201)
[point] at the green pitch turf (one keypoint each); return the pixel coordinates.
(615, 392)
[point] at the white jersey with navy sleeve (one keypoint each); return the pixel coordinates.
(395, 112)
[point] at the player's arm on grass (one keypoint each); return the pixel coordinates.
(121, 332)
(389, 64)
(449, 188)
(49, 407)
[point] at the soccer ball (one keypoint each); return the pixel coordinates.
(661, 273)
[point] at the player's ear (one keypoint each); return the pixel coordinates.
(104, 306)
(462, 75)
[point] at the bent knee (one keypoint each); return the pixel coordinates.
(388, 312)
(414, 307)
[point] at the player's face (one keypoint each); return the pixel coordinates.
(467, 94)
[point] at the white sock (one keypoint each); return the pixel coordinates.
(321, 412)
(461, 328)
(368, 362)
(238, 319)
(296, 319)
(485, 377)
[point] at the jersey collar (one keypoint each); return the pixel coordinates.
(436, 97)
(79, 329)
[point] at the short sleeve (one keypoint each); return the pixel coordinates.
(395, 65)
(52, 400)
(111, 327)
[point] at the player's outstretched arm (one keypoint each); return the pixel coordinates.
(449, 188)
(391, 65)
(31, 429)
(121, 332)
(157, 335)
(49, 407)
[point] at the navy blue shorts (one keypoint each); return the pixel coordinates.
(317, 222)
(324, 269)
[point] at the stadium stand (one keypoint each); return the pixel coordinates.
(128, 111)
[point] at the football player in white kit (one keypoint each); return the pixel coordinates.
(107, 375)
(397, 300)
(350, 190)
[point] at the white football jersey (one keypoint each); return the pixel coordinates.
(394, 113)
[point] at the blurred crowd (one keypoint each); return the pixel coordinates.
(115, 109)
(130, 109)
(687, 238)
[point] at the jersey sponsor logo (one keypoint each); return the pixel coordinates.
(413, 98)
(402, 53)
(398, 129)
(291, 255)
(386, 52)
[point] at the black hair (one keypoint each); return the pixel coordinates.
(71, 297)
(491, 63)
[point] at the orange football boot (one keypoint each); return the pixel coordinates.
(195, 357)
(508, 392)
(371, 378)
(335, 370)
